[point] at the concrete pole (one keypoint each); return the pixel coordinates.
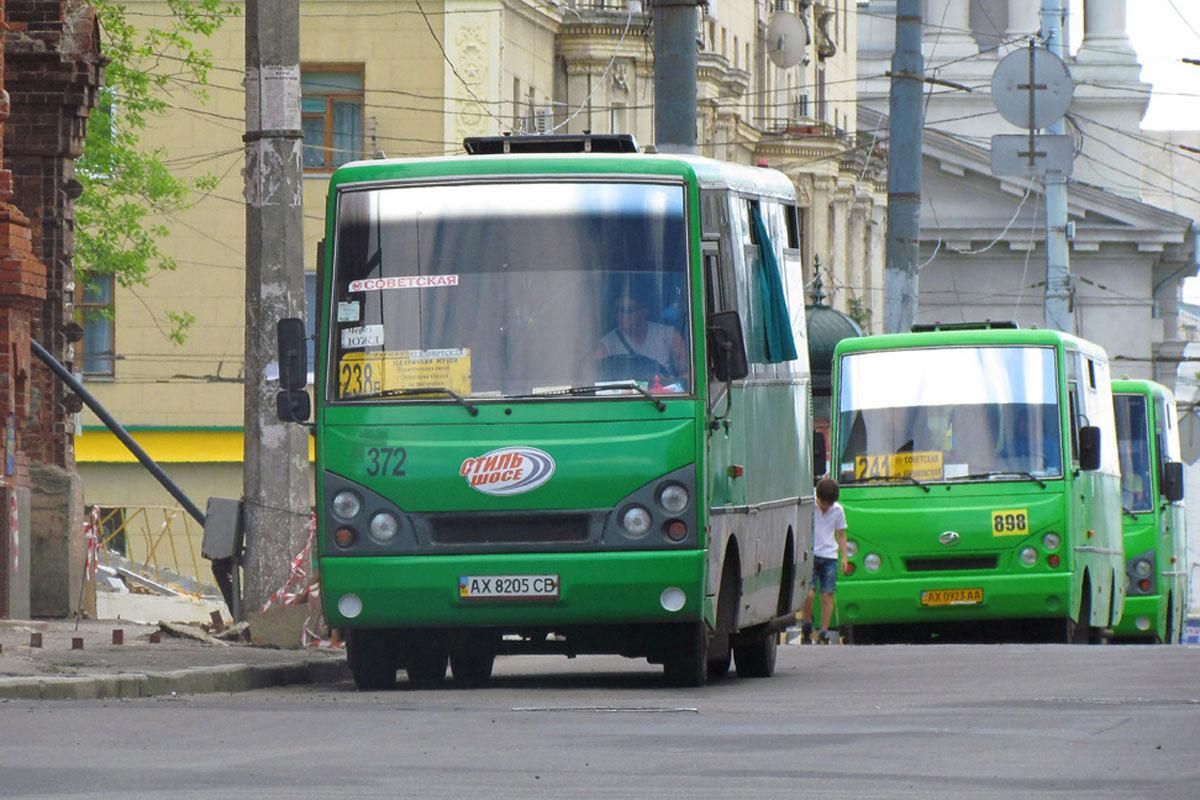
(275, 468)
(675, 75)
(906, 117)
(1058, 314)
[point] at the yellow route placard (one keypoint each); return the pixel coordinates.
(371, 373)
(923, 466)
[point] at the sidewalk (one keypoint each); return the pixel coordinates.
(139, 667)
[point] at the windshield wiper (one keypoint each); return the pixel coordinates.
(1130, 513)
(911, 480)
(1000, 473)
(414, 390)
(888, 478)
(600, 387)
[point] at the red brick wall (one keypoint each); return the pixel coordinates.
(51, 69)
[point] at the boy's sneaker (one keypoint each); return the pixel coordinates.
(806, 633)
(823, 638)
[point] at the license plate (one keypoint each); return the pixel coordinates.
(952, 597)
(508, 587)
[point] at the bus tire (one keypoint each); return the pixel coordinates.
(719, 667)
(425, 660)
(756, 659)
(471, 666)
(373, 658)
(720, 654)
(1080, 632)
(686, 665)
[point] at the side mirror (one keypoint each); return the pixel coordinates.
(293, 353)
(819, 455)
(1172, 481)
(727, 346)
(291, 402)
(1089, 448)
(292, 405)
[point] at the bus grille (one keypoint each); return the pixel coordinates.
(478, 529)
(950, 564)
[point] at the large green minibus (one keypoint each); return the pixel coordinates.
(979, 473)
(561, 406)
(1152, 513)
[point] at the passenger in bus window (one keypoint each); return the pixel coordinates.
(639, 349)
(829, 558)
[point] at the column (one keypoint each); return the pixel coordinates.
(946, 34)
(1105, 39)
(1024, 20)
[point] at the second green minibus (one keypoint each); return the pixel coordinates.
(1152, 510)
(979, 473)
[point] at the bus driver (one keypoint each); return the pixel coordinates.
(658, 347)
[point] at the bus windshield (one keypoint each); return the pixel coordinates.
(949, 413)
(1133, 447)
(510, 289)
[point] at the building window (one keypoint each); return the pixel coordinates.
(96, 310)
(332, 115)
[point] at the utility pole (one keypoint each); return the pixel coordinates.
(906, 118)
(1058, 256)
(675, 75)
(275, 467)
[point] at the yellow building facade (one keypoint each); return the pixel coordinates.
(408, 78)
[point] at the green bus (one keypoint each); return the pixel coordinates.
(561, 406)
(979, 473)
(1152, 513)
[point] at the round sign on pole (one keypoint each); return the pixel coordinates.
(1032, 88)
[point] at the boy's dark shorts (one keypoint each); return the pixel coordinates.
(825, 572)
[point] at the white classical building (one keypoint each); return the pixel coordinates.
(983, 237)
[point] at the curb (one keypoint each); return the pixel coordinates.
(196, 680)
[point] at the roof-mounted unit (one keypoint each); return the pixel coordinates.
(986, 325)
(551, 143)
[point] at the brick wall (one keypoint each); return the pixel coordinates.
(51, 72)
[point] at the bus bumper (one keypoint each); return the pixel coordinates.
(1149, 609)
(593, 588)
(869, 602)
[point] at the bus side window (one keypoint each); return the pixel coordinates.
(714, 291)
(1073, 402)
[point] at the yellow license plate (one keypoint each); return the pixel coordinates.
(952, 597)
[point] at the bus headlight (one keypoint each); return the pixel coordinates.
(384, 527)
(636, 521)
(1051, 541)
(346, 505)
(673, 497)
(872, 562)
(851, 548)
(1028, 556)
(1142, 568)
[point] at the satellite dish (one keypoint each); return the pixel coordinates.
(787, 40)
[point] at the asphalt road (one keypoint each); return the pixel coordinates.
(945, 721)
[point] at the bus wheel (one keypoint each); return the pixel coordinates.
(425, 661)
(756, 659)
(720, 654)
(1080, 632)
(373, 658)
(472, 665)
(719, 667)
(687, 662)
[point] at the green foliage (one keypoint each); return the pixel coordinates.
(129, 191)
(858, 311)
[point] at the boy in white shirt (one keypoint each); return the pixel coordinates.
(829, 557)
